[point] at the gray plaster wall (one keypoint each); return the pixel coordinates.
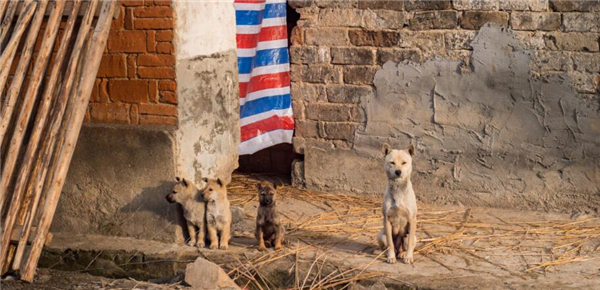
(208, 132)
(489, 135)
(117, 183)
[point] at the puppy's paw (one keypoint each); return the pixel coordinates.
(191, 243)
(262, 248)
(407, 258)
(391, 260)
(200, 245)
(214, 246)
(278, 247)
(224, 247)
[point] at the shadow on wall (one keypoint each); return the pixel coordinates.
(117, 183)
(495, 135)
(152, 200)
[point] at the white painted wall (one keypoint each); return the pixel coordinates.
(207, 80)
(204, 27)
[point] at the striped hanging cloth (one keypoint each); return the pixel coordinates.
(266, 115)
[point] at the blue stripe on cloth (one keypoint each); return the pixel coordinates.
(248, 17)
(264, 105)
(263, 58)
(275, 10)
(254, 17)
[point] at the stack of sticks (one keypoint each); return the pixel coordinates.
(45, 85)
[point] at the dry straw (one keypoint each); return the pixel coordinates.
(538, 245)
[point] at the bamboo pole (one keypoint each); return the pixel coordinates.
(8, 18)
(21, 71)
(9, 51)
(84, 90)
(22, 122)
(43, 164)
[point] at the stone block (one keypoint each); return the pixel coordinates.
(352, 55)
(359, 75)
(348, 93)
(535, 21)
(374, 38)
(434, 20)
(476, 19)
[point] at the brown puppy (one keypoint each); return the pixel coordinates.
(189, 197)
(218, 213)
(268, 224)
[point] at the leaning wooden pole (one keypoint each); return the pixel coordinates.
(3, 4)
(43, 164)
(44, 107)
(9, 51)
(16, 142)
(75, 121)
(7, 20)
(21, 71)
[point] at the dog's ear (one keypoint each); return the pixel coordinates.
(220, 182)
(275, 185)
(205, 179)
(259, 186)
(177, 178)
(184, 182)
(386, 149)
(411, 150)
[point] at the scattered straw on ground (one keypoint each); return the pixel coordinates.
(534, 246)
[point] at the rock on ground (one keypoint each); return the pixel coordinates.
(204, 274)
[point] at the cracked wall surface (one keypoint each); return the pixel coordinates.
(208, 110)
(492, 134)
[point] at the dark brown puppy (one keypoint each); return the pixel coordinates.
(268, 224)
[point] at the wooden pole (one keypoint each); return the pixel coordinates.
(3, 4)
(21, 72)
(9, 51)
(43, 162)
(8, 18)
(43, 111)
(37, 76)
(84, 91)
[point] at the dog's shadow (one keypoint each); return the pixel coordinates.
(153, 199)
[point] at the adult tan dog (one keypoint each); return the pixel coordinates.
(268, 224)
(189, 197)
(398, 235)
(218, 213)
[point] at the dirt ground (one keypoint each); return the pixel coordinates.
(331, 243)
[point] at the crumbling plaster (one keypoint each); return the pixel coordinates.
(491, 135)
(208, 109)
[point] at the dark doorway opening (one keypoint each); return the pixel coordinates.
(275, 160)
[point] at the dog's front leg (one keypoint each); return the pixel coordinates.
(192, 232)
(407, 257)
(225, 234)
(260, 237)
(391, 255)
(201, 234)
(278, 236)
(212, 235)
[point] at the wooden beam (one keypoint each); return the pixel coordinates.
(41, 119)
(84, 5)
(84, 90)
(17, 231)
(35, 82)
(8, 52)
(21, 72)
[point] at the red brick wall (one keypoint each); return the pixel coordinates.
(136, 81)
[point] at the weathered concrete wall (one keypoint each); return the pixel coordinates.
(117, 184)
(505, 116)
(208, 110)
